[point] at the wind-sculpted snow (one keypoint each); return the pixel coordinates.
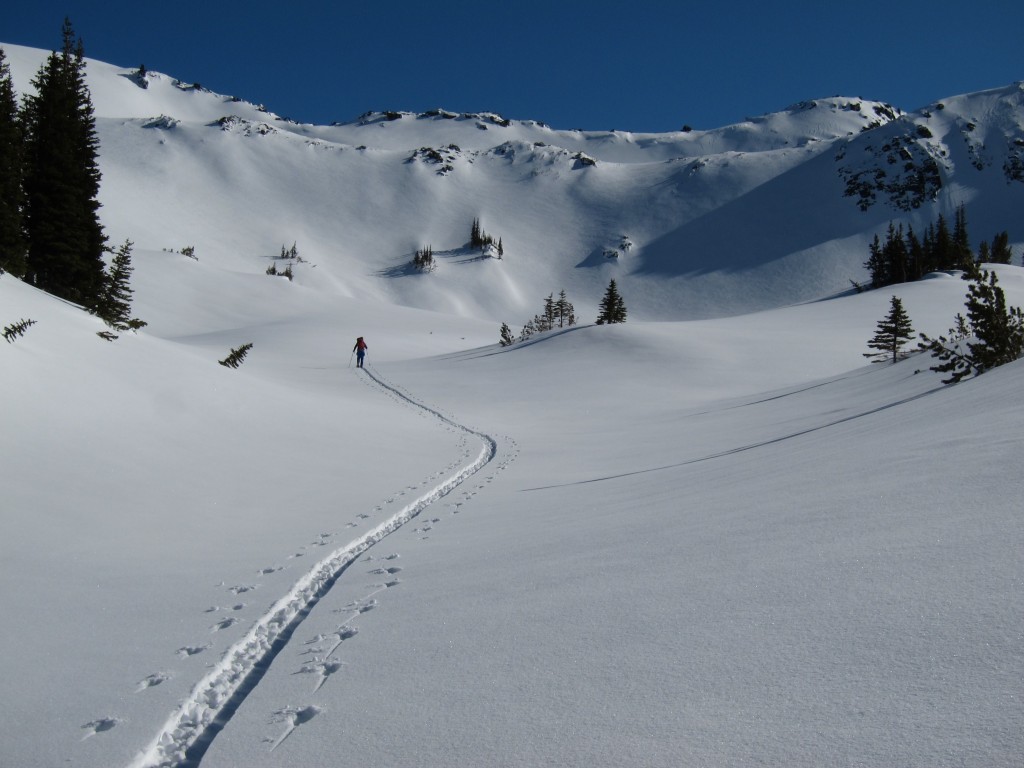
(189, 731)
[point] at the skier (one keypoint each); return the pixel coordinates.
(360, 350)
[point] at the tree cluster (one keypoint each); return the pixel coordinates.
(286, 272)
(50, 233)
(424, 259)
(13, 243)
(558, 313)
(480, 240)
(905, 257)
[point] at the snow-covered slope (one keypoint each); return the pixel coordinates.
(720, 541)
(691, 224)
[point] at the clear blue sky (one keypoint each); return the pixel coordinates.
(633, 65)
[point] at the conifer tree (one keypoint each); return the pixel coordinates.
(944, 249)
(550, 312)
(962, 255)
(891, 334)
(237, 356)
(915, 256)
(61, 179)
(984, 255)
(564, 311)
(506, 339)
(16, 330)
(1001, 252)
(990, 336)
(12, 229)
(114, 305)
(528, 330)
(876, 264)
(999, 329)
(612, 308)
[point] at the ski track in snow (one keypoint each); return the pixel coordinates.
(187, 734)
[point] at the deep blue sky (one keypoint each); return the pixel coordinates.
(633, 65)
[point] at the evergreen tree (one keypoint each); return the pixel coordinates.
(990, 336)
(962, 255)
(550, 312)
(237, 356)
(999, 330)
(891, 334)
(16, 330)
(984, 255)
(896, 257)
(62, 177)
(944, 251)
(931, 262)
(876, 265)
(612, 308)
(916, 262)
(1001, 252)
(564, 311)
(114, 305)
(506, 339)
(12, 229)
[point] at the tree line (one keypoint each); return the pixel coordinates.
(50, 232)
(905, 257)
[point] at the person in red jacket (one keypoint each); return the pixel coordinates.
(360, 350)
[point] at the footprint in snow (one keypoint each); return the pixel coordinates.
(294, 716)
(346, 633)
(270, 569)
(366, 607)
(393, 556)
(343, 633)
(224, 624)
(153, 680)
(358, 607)
(322, 668)
(191, 650)
(241, 589)
(99, 726)
(390, 571)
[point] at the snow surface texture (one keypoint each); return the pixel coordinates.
(720, 541)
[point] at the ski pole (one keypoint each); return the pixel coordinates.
(350, 358)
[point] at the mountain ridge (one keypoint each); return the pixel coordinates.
(774, 210)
